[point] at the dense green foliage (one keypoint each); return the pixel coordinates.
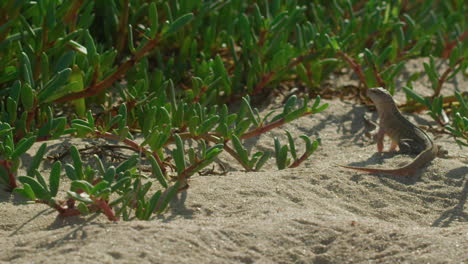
(166, 71)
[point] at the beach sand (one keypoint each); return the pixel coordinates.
(316, 213)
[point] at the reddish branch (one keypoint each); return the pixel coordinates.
(133, 145)
(265, 79)
(449, 46)
(70, 210)
(203, 90)
(263, 129)
(72, 14)
(355, 66)
(445, 75)
(123, 27)
(379, 79)
(269, 76)
(300, 160)
(9, 13)
(11, 177)
(105, 208)
(107, 82)
(230, 151)
(65, 210)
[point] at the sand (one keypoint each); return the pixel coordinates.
(317, 213)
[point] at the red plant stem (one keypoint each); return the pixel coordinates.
(200, 94)
(252, 133)
(123, 30)
(263, 129)
(107, 82)
(106, 209)
(11, 177)
(8, 14)
(63, 211)
(300, 160)
(186, 173)
(379, 79)
(262, 38)
(72, 14)
(356, 67)
(230, 151)
(265, 79)
(449, 46)
(31, 115)
(444, 77)
(269, 76)
(133, 145)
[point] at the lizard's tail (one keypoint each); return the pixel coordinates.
(406, 170)
(399, 172)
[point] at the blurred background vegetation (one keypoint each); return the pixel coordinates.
(169, 71)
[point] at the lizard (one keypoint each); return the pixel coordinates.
(409, 138)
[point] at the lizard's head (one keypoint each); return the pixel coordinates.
(379, 96)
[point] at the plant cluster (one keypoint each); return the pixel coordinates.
(167, 72)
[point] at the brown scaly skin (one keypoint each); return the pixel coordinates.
(408, 137)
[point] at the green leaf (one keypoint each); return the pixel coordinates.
(99, 164)
(241, 151)
(316, 102)
(178, 154)
(214, 151)
(250, 112)
(12, 110)
(83, 197)
(152, 204)
(38, 189)
(153, 17)
(22, 147)
(76, 84)
(242, 126)
(26, 69)
(281, 153)
(99, 188)
(128, 164)
(131, 46)
(294, 114)
(432, 74)
(290, 103)
(292, 146)
(208, 124)
(77, 162)
(90, 48)
(26, 191)
(157, 171)
(170, 194)
(179, 23)
(65, 61)
(15, 91)
(27, 97)
(81, 185)
(54, 179)
(51, 88)
(263, 159)
(120, 183)
(71, 172)
(417, 97)
(36, 161)
(82, 208)
(115, 120)
(109, 176)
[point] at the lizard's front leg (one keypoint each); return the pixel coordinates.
(394, 145)
(379, 137)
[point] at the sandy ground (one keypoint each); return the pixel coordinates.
(317, 213)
